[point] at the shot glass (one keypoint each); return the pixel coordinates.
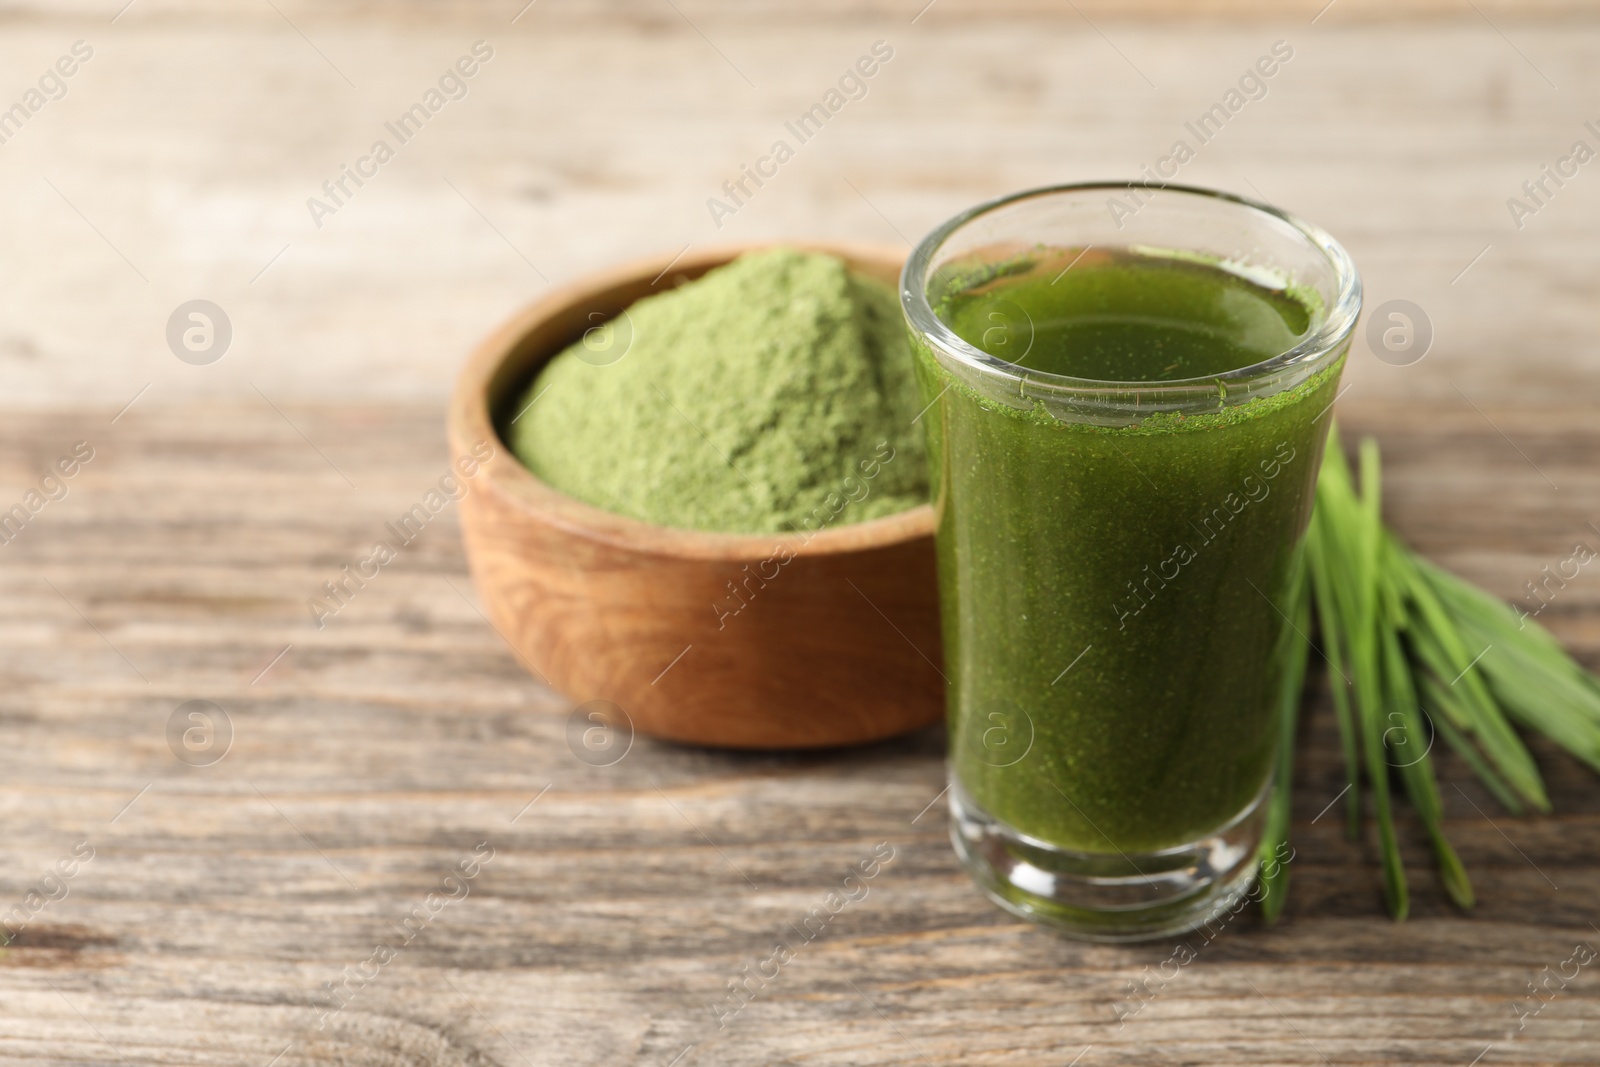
(1115, 555)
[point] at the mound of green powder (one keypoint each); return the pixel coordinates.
(775, 393)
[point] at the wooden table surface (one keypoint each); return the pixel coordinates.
(301, 900)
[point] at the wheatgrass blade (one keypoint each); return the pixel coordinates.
(1411, 751)
(1437, 643)
(1435, 698)
(1530, 674)
(1331, 603)
(1364, 526)
(1293, 650)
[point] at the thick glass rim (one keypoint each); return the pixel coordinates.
(1338, 322)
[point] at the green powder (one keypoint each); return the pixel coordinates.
(775, 393)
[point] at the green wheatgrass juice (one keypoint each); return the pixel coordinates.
(1108, 635)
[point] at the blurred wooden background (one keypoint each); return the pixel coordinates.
(369, 758)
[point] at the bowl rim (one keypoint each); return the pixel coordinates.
(471, 421)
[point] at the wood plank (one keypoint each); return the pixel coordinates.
(376, 753)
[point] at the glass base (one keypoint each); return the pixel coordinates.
(1108, 897)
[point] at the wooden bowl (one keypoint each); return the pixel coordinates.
(837, 646)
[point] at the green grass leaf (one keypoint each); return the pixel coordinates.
(1292, 653)
(1410, 646)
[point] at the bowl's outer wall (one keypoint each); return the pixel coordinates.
(839, 645)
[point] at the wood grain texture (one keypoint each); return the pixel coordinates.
(801, 11)
(379, 751)
(372, 758)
